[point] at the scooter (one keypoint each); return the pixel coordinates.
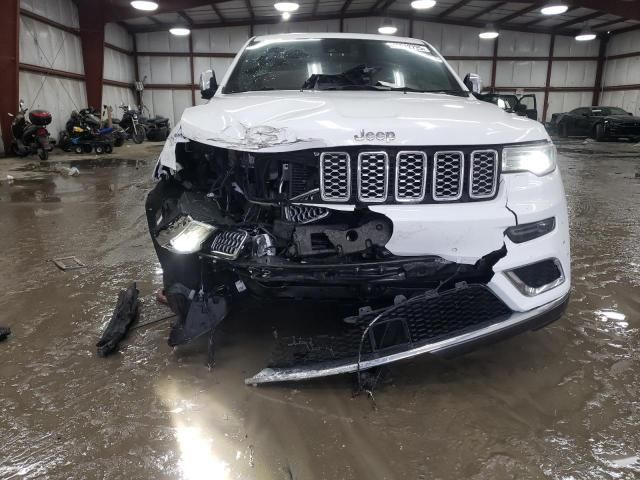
(131, 124)
(30, 136)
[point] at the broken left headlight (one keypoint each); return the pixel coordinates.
(185, 235)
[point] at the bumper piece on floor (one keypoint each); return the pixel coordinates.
(453, 322)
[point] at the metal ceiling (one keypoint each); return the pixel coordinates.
(613, 16)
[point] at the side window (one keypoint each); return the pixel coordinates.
(580, 111)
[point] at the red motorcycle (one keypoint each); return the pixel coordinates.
(31, 136)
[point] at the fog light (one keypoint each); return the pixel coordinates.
(185, 235)
(538, 277)
(529, 231)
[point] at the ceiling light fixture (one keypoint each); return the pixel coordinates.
(489, 33)
(387, 27)
(423, 4)
(286, 16)
(286, 6)
(179, 31)
(554, 8)
(144, 5)
(586, 35)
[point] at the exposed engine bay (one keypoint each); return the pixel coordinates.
(228, 223)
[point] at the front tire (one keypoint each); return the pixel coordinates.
(43, 154)
(600, 133)
(140, 135)
(563, 131)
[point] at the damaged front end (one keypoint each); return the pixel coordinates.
(228, 223)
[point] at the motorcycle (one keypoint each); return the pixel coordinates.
(30, 136)
(131, 125)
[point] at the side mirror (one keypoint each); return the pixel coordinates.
(473, 82)
(208, 84)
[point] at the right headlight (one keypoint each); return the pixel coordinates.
(537, 159)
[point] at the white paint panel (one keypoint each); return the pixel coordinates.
(57, 95)
(627, 99)
(371, 25)
(161, 42)
(116, 96)
(573, 74)
(50, 47)
(219, 40)
(300, 27)
(518, 44)
(622, 71)
(118, 66)
(165, 70)
(521, 73)
(624, 43)
(560, 102)
(453, 40)
(168, 103)
(118, 36)
(481, 67)
(569, 47)
(61, 11)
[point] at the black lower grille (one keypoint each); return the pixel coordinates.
(420, 320)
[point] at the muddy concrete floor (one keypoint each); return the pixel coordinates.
(560, 403)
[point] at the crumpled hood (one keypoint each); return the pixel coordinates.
(286, 121)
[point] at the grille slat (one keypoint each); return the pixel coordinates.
(373, 176)
(335, 176)
(411, 176)
(416, 176)
(448, 173)
(483, 173)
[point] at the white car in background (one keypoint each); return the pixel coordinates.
(359, 169)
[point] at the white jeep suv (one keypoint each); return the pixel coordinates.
(360, 170)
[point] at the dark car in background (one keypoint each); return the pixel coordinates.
(600, 123)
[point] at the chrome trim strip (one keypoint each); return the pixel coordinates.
(528, 291)
(425, 170)
(322, 194)
(269, 375)
(386, 177)
(495, 174)
(460, 181)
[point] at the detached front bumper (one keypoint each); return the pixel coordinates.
(500, 327)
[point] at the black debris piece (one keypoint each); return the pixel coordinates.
(4, 333)
(126, 312)
(68, 263)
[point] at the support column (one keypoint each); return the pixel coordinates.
(545, 106)
(92, 20)
(602, 57)
(494, 64)
(193, 87)
(9, 60)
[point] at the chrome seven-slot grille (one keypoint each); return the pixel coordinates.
(409, 176)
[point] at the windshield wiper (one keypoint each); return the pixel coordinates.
(456, 93)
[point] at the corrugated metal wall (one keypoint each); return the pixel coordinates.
(461, 45)
(46, 46)
(623, 71)
(119, 67)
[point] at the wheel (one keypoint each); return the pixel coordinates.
(87, 148)
(563, 131)
(99, 149)
(108, 148)
(119, 140)
(599, 133)
(43, 154)
(139, 137)
(79, 149)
